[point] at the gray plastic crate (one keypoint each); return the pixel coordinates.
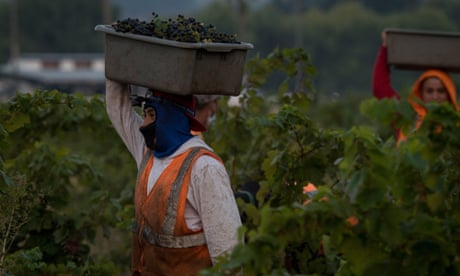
(420, 50)
(174, 67)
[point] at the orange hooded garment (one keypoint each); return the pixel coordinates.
(416, 93)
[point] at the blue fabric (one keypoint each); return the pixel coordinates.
(172, 128)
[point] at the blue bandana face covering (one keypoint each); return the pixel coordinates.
(148, 132)
(172, 128)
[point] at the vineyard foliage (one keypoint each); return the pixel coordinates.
(379, 209)
(404, 198)
(69, 176)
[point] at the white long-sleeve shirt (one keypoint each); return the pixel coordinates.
(211, 205)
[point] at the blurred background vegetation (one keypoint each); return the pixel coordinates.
(73, 176)
(341, 37)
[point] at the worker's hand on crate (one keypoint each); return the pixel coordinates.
(384, 39)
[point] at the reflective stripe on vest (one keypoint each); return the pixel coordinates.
(166, 237)
(169, 240)
(171, 210)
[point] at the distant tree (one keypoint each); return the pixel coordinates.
(342, 41)
(450, 7)
(69, 25)
(389, 6)
(4, 31)
(54, 26)
(220, 15)
(270, 30)
(289, 6)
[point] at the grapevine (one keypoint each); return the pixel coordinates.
(182, 29)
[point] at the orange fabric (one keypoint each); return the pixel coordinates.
(351, 221)
(310, 187)
(158, 197)
(415, 96)
(136, 255)
(151, 209)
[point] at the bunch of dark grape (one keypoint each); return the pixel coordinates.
(181, 29)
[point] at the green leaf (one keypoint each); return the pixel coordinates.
(390, 220)
(353, 188)
(436, 201)
(360, 255)
(17, 121)
(6, 180)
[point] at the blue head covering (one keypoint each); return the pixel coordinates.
(172, 127)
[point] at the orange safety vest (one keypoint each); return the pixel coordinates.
(162, 242)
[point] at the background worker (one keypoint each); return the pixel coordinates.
(432, 86)
(185, 212)
(206, 110)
